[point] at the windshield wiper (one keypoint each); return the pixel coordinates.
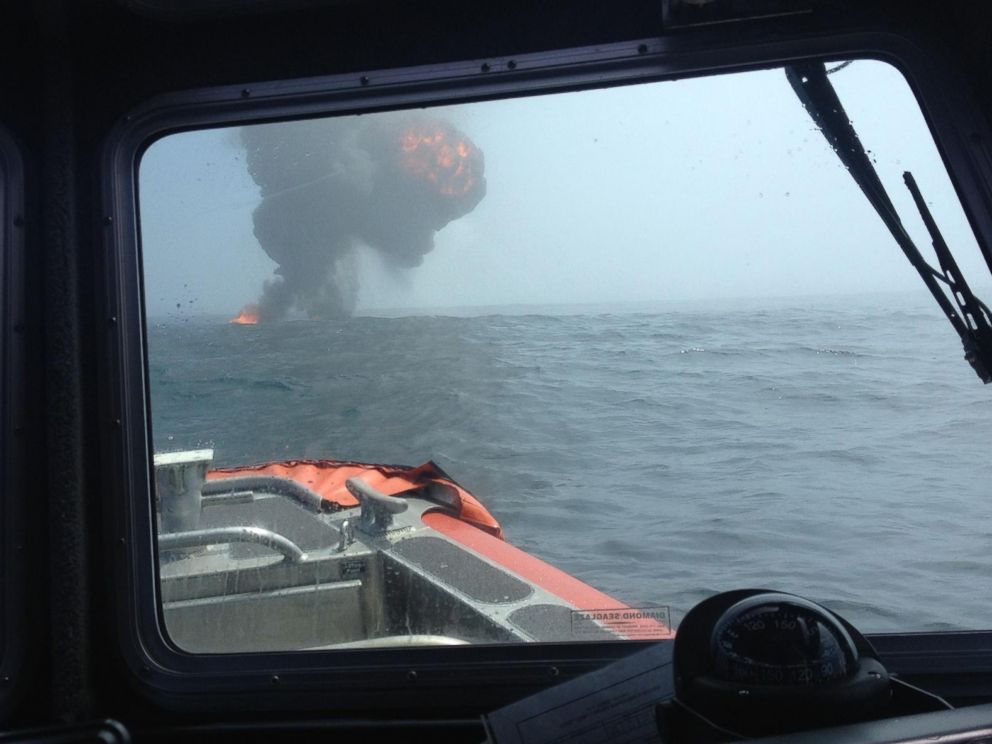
(974, 313)
(969, 315)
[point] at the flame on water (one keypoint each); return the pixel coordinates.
(427, 153)
(247, 316)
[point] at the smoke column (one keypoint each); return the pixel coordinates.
(327, 185)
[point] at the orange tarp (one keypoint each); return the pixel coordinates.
(327, 478)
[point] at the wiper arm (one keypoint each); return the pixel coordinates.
(973, 323)
(972, 312)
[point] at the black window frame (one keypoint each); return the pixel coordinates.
(13, 428)
(466, 679)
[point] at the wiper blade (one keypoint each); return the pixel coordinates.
(971, 318)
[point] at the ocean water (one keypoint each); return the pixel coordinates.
(836, 448)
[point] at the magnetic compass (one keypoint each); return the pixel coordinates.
(757, 662)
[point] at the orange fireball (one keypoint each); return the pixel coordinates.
(438, 154)
(248, 316)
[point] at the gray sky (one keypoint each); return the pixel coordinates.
(689, 190)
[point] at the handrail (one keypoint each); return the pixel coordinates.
(218, 535)
(394, 641)
(266, 484)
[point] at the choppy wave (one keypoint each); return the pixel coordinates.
(836, 452)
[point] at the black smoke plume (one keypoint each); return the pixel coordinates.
(328, 185)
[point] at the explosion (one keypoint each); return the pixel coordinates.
(428, 154)
(389, 183)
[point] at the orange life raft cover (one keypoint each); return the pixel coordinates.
(327, 478)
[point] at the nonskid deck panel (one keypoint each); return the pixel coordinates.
(461, 570)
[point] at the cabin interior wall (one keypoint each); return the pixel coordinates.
(68, 72)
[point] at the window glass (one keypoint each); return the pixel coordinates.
(556, 368)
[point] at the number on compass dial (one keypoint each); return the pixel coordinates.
(779, 640)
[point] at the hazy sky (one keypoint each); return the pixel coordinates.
(688, 190)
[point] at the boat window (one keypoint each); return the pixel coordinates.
(556, 368)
